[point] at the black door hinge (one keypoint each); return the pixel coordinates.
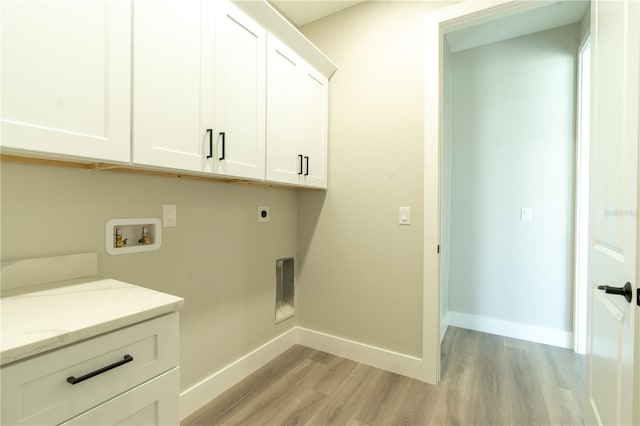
(638, 296)
(439, 253)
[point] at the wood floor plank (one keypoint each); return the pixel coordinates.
(526, 399)
(244, 392)
(341, 406)
(489, 375)
(454, 396)
(279, 396)
(412, 403)
(563, 406)
(486, 380)
(300, 410)
(380, 400)
(337, 372)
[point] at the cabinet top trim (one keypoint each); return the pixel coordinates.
(263, 13)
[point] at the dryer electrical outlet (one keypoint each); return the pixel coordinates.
(263, 214)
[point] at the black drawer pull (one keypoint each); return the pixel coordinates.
(307, 160)
(301, 167)
(75, 380)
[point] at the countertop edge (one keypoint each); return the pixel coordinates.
(12, 355)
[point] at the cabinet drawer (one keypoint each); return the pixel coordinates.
(152, 403)
(36, 390)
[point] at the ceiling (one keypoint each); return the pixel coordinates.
(552, 15)
(301, 12)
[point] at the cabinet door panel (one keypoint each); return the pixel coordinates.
(239, 94)
(168, 40)
(66, 67)
(283, 132)
(313, 121)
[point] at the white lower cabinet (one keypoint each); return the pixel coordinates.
(131, 373)
(296, 119)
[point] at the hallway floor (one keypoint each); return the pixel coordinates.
(486, 380)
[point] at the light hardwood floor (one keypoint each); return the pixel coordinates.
(486, 380)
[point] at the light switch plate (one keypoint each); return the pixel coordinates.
(526, 214)
(404, 215)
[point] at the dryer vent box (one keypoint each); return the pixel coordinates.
(285, 288)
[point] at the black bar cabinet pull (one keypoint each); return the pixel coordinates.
(222, 134)
(76, 380)
(625, 291)
(301, 170)
(210, 131)
(307, 160)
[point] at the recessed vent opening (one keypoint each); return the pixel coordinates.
(285, 288)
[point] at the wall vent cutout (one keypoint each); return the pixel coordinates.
(123, 236)
(285, 288)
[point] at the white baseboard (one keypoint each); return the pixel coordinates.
(395, 362)
(199, 394)
(532, 333)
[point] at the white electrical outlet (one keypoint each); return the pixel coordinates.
(263, 214)
(169, 215)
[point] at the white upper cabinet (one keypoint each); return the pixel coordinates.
(284, 156)
(173, 84)
(314, 90)
(296, 119)
(199, 88)
(184, 85)
(240, 75)
(65, 78)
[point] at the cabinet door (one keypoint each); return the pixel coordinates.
(65, 78)
(314, 90)
(239, 94)
(152, 403)
(171, 67)
(284, 156)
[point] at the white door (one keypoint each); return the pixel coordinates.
(314, 88)
(66, 77)
(173, 46)
(284, 157)
(240, 80)
(614, 203)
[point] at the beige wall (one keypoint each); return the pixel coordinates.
(218, 257)
(360, 273)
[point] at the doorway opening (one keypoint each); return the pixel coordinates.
(513, 178)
